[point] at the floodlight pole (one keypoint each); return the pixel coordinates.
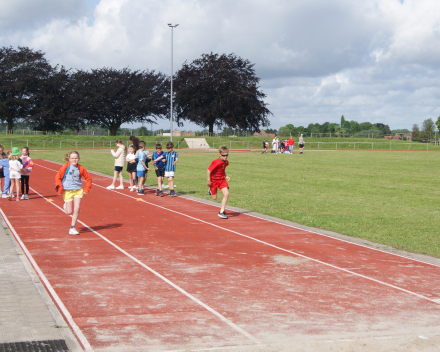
(171, 96)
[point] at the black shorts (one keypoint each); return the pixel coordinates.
(131, 167)
(301, 145)
(2, 174)
(118, 168)
(160, 173)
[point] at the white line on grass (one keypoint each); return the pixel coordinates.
(280, 248)
(57, 299)
(181, 290)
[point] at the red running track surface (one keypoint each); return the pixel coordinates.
(167, 273)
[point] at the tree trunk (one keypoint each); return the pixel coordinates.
(10, 126)
(113, 130)
(211, 129)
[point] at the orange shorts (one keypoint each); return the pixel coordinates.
(218, 184)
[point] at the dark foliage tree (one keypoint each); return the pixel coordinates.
(385, 129)
(112, 97)
(22, 76)
(220, 90)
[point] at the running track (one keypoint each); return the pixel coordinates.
(167, 273)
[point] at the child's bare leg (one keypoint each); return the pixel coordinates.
(159, 182)
(76, 204)
(121, 178)
(69, 207)
(171, 183)
(225, 192)
(11, 189)
(17, 185)
(115, 176)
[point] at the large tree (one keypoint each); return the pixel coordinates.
(220, 90)
(23, 72)
(112, 97)
(428, 128)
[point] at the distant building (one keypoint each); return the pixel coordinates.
(178, 133)
(398, 136)
(263, 133)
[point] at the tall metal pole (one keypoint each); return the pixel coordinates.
(171, 97)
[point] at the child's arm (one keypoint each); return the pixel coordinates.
(146, 168)
(175, 161)
(208, 183)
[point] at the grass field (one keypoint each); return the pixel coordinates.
(386, 197)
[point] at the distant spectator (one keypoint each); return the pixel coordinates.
(291, 144)
(301, 144)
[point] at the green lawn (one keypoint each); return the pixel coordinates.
(385, 197)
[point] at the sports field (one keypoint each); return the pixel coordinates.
(385, 197)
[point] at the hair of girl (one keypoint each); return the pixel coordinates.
(132, 147)
(67, 156)
(135, 141)
(27, 149)
(13, 157)
(1, 146)
(118, 141)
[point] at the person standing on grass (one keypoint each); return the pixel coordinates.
(291, 144)
(141, 168)
(28, 165)
(217, 179)
(15, 167)
(264, 147)
(301, 144)
(119, 155)
(68, 183)
(171, 159)
(275, 145)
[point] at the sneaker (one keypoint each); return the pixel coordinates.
(120, 187)
(141, 192)
(18, 199)
(10, 197)
(26, 196)
(4, 195)
(73, 232)
(161, 193)
(111, 187)
(209, 191)
(165, 186)
(131, 189)
(23, 197)
(222, 215)
(157, 192)
(172, 194)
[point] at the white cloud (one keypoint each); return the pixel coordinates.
(374, 60)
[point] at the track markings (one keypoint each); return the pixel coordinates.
(178, 288)
(272, 245)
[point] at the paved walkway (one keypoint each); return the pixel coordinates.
(27, 313)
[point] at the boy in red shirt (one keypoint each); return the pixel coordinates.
(217, 179)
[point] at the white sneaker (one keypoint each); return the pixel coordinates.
(23, 197)
(120, 187)
(131, 189)
(111, 187)
(4, 195)
(26, 196)
(165, 186)
(73, 232)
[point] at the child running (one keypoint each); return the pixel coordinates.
(159, 165)
(142, 168)
(15, 167)
(119, 156)
(68, 183)
(217, 179)
(131, 167)
(28, 165)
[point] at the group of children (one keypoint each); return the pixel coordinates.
(13, 170)
(137, 160)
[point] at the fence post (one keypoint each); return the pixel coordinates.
(409, 146)
(372, 146)
(426, 146)
(354, 145)
(93, 144)
(248, 144)
(230, 144)
(318, 145)
(76, 144)
(60, 144)
(27, 143)
(336, 145)
(390, 146)
(11, 144)
(43, 144)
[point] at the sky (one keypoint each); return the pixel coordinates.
(370, 60)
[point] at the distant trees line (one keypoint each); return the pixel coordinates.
(215, 90)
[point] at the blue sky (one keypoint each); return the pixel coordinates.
(373, 60)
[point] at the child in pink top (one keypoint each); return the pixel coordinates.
(28, 165)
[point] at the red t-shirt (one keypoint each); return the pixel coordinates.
(291, 141)
(217, 169)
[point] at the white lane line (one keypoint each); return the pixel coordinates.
(54, 295)
(279, 248)
(286, 225)
(181, 290)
